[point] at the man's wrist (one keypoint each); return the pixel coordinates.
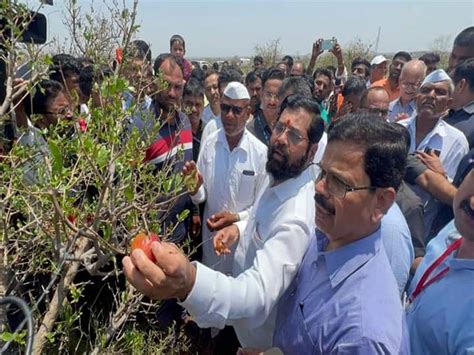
(190, 280)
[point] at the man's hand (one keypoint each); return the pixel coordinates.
(192, 177)
(337, 51)
(195, 226)
(432, 162)
(221, 219)
(317, 48)
(401, 116)
(225, 238)
(172, 276)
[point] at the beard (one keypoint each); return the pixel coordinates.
(283, 170)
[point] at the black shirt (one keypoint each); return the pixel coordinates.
(463, 120)
(259, 127)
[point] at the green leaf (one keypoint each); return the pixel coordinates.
(183, 215)
(129, 193)
(57, 158)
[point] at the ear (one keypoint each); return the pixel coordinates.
(384, 199)
(462, 84)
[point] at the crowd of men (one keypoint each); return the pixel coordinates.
(334, 206)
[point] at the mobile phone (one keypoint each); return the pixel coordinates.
(328, 44)
(428, 150)
(24, 71)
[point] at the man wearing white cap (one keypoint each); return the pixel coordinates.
(439, 145)
(231, 171)
(378, 69)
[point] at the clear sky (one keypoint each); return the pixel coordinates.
(221, 28)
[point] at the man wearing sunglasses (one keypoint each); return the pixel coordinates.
(271, 246)
(230, 172)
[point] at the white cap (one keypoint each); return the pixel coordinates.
(435, 76)
(236, 91)
(378, 59)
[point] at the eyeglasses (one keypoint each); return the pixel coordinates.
(236, 110)
(270, 96)
(293, 135)
(414, 86)
(336, 186)
(63, 111)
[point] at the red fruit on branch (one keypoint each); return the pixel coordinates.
(143, 242)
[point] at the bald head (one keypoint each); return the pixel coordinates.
(297, 69)
(376, 100)
(411, 77)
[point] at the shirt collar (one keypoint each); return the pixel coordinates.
(343, 262)
(243, 143)
(469, 108)
(290, 187)
(439, 128)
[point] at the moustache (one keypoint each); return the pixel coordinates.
(322, 202)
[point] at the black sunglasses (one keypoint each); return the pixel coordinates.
(236, 110)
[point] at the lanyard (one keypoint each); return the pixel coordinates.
(424, 282)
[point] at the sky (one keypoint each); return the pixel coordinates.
(219, 28)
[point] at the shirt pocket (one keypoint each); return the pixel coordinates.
(246, 193)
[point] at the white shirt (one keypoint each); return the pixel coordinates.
(266, 261)
(213, 125)
(450, 141)
(452, 144)
(323, 142)
(207, 114)
(232, 181)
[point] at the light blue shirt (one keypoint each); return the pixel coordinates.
(343, 301)
(441, 318)
(395, 108)
(396, 238)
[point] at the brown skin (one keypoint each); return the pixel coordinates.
(359, 213)
(458, 55)
(361, 70)
(194, 106)
(297, 69)
(437, 185)
(58, 108)
(378, 72)
(255, 90)
(323, 87)
(462, 95)
(377, 102)
(211, 90)
(169, 98)
(432, 102)
(177, 49)
(411, 77)
(464, 221)
(395, 69)
(270, 102)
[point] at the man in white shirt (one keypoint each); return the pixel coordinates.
(269, 251)
(231, 166)
(439, 145)
(211, 90)
(411, 77)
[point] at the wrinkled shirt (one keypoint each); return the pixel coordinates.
(343, 301)
(232, 180)
(441, 318)
(270, 250)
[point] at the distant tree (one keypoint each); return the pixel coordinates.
(442, 46)
(270, 51)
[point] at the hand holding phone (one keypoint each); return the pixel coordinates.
(328, 44)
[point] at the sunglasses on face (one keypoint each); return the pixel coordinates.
(293, 135)
(236, 110)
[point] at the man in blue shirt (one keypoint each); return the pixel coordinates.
(441, 317)
(345, 297)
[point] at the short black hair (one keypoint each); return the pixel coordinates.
(465, 38)
(296, 85)
(197, 73)
(365, 95)
(179, 39)
(362, 61)
(193, 88)
(272, 73)
(90, 75)
(258, 58)
(403, 54)
(64, 65)
(140, 49)
(430, 58)
(385, 146)
(324, 71)
(465, 70)
(252, 77)
(288, 60)
(167, 56)
(316, 126)
(354, 85)
(208, 73)
(228, 75)
(46, 91)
